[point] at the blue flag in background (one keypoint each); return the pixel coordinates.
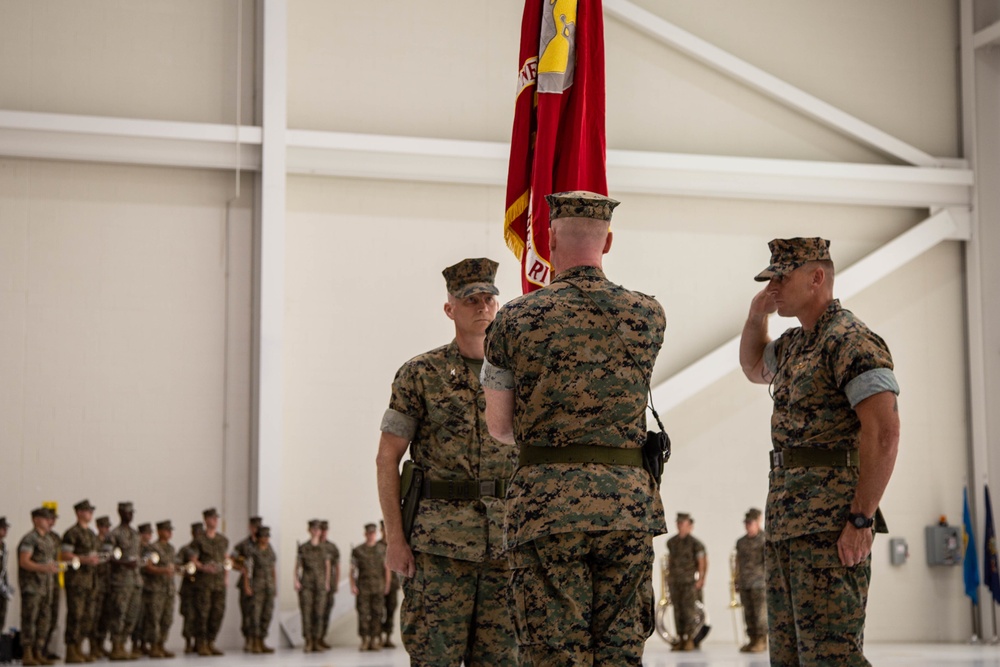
(991, 573)
(971, 559)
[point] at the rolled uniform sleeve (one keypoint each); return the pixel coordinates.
(493, 377)
(870, 383)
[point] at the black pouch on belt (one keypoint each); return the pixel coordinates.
(411, 486)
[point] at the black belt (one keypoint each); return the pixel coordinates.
(464, 489)
(809, 457)
(616, 456)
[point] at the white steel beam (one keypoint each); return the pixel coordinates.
(768, 84)
(723, 360)
(485, 163)
(50, 136)
(987, 36)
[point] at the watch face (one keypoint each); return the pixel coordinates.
(859, 522)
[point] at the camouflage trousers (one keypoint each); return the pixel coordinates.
(189, 612)
(246, 627)
(3, 612)
(79, 614)
(583, 599)
(126, 603)
(102, 615)
(370, 605)
(210, 606)
(35, 618)
(312, 601)
(261, 611)
(53, 609)
(754, 601)
(683, 596)
(158, 615)
(327, 610)
(391, 602)
(455, 611)
(815, 605)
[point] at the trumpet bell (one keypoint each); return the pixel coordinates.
(73, 564)
(189, 568)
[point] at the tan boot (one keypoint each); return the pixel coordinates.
(28, 657)
(73, 656)
(214, 651)
(759, 645)
(202, 648)
(387, 642)
(156, 652)
(688, 644)
(255, 645)
(117, 651)
(678, 645)
(366, 643)
(264, 648)
(321, 643)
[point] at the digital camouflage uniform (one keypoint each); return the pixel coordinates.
(36, 589)
(5, 587)
(264, 588)
(143, 631)
(162, 589)
(312, 592)
(684, 553)
(453, 607)
(186, 593)
(242, 548)
(125, 591)
(80, 600)
(579, 534)
(816, 605)
(750, 583)
(102, 600)
(53, 593)
(369, 562)
(333, 555)
(210, 589)
(391, 602)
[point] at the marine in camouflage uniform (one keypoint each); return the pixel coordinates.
(750, 582)
(126, 584)
(688, 565)
(391, 601)
(6, 590)
(263, 587)
(453, 609)
(369, 583)
(160, 582)
(142, 632)
(333, 555)
(102, 607)
(568, 389)
(56, 589)
(312, 582)
(81, 542)
(835, 434)
(188, 609)
(36, 565)
(210, 549)
(242, 550)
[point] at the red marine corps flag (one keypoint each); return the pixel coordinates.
(558, 141)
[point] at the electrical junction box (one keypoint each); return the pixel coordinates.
(944, 545)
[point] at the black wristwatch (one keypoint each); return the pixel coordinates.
(860, 520)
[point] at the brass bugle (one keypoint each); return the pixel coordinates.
(227, 564)
(151, 558)
(73, 564)
(105, 556)
(189, 568)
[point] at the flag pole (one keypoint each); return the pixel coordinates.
(993, 606)
(975, 634)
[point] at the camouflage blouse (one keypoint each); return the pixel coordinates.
(750, 561)
(127, 539)
(369, 562)
(683, 554)
(438, 404)
(42, 552)
(80, 541)
(820, 376)
(574, 383)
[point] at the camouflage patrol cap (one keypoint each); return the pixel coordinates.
(103, 522)
(580, 204)
(256, 521)
(211, 511)
(264, 531)
(370, 528)
(197, 525)
(84, 505)
(684, 516)
(471, 276)
(752, 514)
(53, 508)
(146, 528)
(3, 522)
(314, 523)
(164, 525)
(789, 254)
(40, 513)
(324, 524)
(126, 507)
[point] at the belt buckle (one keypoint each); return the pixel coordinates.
(488, 488)
(777, 459)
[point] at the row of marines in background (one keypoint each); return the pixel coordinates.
(119, 582)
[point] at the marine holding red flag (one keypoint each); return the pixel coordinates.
(558, 142)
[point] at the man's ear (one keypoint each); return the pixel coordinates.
(448, 310)
(607, 244)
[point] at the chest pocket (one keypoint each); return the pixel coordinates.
(450, 415)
